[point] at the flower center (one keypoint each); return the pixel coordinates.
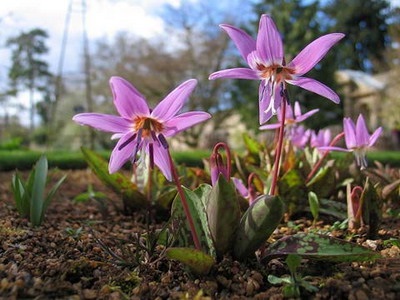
(276, 73)
(147, 125)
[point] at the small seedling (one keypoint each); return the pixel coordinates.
(293, 282)
(29, 196)
(314, 205)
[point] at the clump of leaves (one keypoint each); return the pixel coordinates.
(29, 196)
(293, 283)
(224, 228)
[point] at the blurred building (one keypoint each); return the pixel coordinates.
(377, 98)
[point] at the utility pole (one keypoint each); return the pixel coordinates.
(87, 65)
(87, 69)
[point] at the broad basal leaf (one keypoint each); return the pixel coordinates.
(198, 213)
(257, 224)
(116, 181)
(318, 246)
(197, 261)
(223, 213)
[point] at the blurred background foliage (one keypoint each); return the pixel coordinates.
(194, 47)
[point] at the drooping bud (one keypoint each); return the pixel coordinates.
(354, 206)
(217, 164)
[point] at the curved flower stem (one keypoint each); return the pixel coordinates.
(279, 147)
(251, 186)
(318, 164)
(217, 164)
(185, 205)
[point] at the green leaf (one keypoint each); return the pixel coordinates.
(333, 208)
(324, 181)
(293, 261)
(272, 279)
(39, 184)
(198, 213)
(292, 189)
(165, 199)
(320, 247)
(198, 262)
(257, 224)
(20, 197)
(252, 145)
(203, 192)
(314, 204)
(133, 199)
(50, 195)
(223, 214)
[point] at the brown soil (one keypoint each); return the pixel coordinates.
(66, 258)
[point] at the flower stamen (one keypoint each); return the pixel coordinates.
(148, 125)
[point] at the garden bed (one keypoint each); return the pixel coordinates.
(66, 256)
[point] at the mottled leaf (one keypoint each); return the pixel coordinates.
(257, 224)
(199, 216)
(320, 247)
(223, 213)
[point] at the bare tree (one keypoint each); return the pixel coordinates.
(194, 47)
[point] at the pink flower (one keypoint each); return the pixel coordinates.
(141, 129)
(291, 118)
(266, 60)
(357, 139)
(299, 136)
(320, 139)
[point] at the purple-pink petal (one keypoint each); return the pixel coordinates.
(240, 187)
(308, 114)
(362, 134)
(374, 136)
(297, 109)
(264, 102)
(269, 41)
(238, 73)
(161, 159)
(243, 41)
(315, 86)
(314, 52)
(127, 100)
(332, 148)
(174, 101)
(184, 121)
(120, 156)
(270, 126)
(349, 133)
(104, 122)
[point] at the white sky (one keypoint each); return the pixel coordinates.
(104, 18)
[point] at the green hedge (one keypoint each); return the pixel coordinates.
(24, 160)
(391, 158)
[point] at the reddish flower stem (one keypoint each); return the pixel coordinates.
(279, 147)
(228, 158)
(318, 164)
(185, 205)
